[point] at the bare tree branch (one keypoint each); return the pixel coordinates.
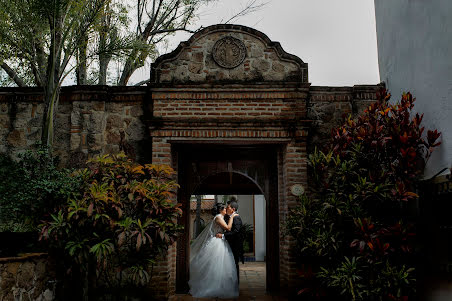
(250, 7)
(13, 75)
(142, 82)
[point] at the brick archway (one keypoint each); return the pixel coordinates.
(256, 166)
(261, 108)
(251, 119)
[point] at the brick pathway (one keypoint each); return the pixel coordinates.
(252, 285)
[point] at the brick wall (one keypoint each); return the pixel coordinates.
(220, 104)
(293, 170)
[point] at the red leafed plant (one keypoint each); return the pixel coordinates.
(391, 137)
(375, 242)
(355, 218)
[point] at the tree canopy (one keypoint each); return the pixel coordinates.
(42, 42)
(92, 42)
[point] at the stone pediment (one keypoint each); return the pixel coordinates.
(228, 53)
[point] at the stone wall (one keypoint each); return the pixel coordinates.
(328, 106)
(196, 61)
(28, 278)
(90, 120)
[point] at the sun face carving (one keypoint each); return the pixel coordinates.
(229, 52)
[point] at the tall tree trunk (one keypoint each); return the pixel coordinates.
(82, 65)
(128, 69)
(104, 56)
(51, 96)
(104, 60)
(52, 87)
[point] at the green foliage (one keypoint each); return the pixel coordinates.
(30, 187)
(246, 233)
(360, 186)
(123, 220)
(347, 277)
(313, 224)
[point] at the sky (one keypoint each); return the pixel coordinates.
(337, 38)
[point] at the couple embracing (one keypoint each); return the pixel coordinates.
(215, 254)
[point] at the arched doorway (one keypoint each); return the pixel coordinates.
(228, 169)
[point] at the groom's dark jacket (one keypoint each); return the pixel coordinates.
(235, 239)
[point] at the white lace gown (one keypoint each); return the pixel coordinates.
(212, 267)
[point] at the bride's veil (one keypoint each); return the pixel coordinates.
(201, 240)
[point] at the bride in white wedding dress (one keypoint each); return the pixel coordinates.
(212, 267)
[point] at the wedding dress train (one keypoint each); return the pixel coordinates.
(212, 266)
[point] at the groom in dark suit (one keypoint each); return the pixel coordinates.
(234, 236)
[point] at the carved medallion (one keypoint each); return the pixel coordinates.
(229, 52)
(297, 189)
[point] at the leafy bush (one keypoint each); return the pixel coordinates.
(123, 220)
(347, 277)
(246, 233)
(30, 187)
(361, 184)
(313, 223)
(392, 145)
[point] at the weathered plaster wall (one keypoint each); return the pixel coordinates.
(28, 278)
(415, 54)
(259, 229)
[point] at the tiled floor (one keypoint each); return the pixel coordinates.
(252, 285)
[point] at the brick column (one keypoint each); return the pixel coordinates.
(164, 280)
(293, 170)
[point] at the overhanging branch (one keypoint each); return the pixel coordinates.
(13, 75)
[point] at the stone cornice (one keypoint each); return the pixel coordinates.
(137, 94)
(76, 93)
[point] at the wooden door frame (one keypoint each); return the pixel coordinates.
(266, 155)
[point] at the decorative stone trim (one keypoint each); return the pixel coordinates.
(228, 95)
(240, 133)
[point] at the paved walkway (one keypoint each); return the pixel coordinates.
(252, 285)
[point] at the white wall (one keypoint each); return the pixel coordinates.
(260, 227)
(255, 214)
(415, 54)
(246, 208)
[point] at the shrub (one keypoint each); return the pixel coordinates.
(361, 184)
(124, 219)
(246, 233)
(392, 145)
(30, 187)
